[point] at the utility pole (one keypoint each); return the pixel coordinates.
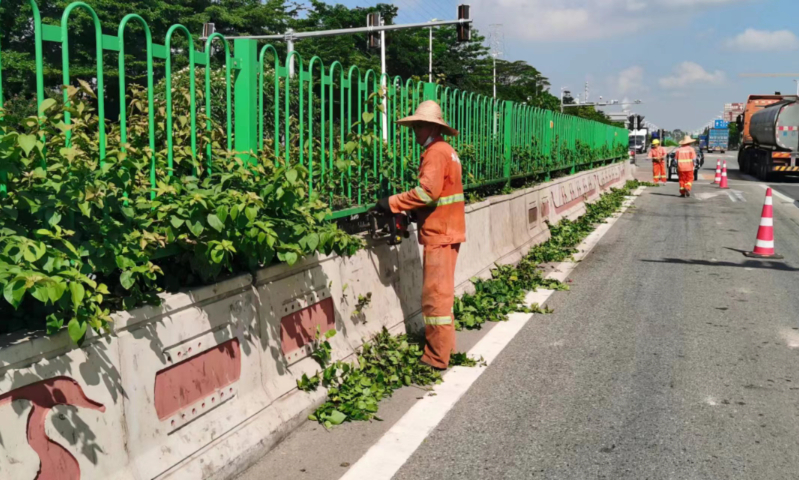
(383, 85)
(289, 49)
(430, 71)
(496, 40)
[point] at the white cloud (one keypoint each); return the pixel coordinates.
(690, 73)
(752, 40)
(630, 80)
(576, 20)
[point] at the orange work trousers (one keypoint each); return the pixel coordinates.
(438, 298)
(659, 171)
(686, 181)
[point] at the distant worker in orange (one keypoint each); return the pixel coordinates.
(658, 156)
(440, 208)
(685, 156)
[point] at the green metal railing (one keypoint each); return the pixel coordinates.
(319, 110)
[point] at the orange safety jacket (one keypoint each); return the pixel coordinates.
(657, 153)
(438, 198)
(685, 159)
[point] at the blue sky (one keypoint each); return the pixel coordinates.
(681, 58)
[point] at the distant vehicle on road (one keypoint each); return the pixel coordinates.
(770, 136)
(702, 142)
(671, 162)
(718, 140)
(639, 140)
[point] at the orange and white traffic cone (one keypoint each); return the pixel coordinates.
(764, 245)
(718, 172)
(723, 182)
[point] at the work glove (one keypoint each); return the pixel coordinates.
(382, 206)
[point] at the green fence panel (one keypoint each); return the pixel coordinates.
(316, 111)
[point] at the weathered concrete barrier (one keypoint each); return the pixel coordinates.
(205, 383)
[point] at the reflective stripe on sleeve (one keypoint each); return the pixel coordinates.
(423, 195)
(438, 320)
(449, 200)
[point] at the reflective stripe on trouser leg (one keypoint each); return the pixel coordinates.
(686, 179)
(438, 298)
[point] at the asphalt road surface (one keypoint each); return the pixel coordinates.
(673, 356)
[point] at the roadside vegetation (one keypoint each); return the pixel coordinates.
(389, 362)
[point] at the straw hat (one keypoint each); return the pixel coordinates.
(687, 140)
(429, 112)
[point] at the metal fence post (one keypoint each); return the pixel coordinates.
(507, 134)
(429, 91)
(246, 99)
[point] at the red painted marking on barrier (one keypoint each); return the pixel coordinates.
(56, 463)
(545, 210)
(568, 205)
(196, 378)
(299, 328)
(532, 215)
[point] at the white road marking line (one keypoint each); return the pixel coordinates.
(780, 195)
(397, 445)
(736, 196)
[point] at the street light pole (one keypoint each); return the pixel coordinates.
(289, 49)
(495, 76)
(430, 71)
(383, 85)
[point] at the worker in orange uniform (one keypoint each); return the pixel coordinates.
(440, 206)
(658, 156)
(685, 156)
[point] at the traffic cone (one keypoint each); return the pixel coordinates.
(723, 182)
(718, 172)
(764, 245)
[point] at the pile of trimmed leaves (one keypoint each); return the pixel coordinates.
(385, 364)
(390, 362)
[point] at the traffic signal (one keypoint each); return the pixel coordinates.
(640, 122)
(373, 20)
(464, 29)
(631, 122)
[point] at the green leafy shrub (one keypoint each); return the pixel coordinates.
(82, 236)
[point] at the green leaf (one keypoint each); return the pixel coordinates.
(336, 418)
(176, 222)
(54, 324)
(127, 280)
(216, 223)
(289, 257)
(291, 176)
(15, 291)
(46, 105)
(367, 117)
(312, 240)
(234, 212)
(26, 142)
(78, 294)
(77, 330)
(251, 213)
(350, 147)
(33, 251)
(40, 293)
(56, 290)
(128, 211)
(196, 228)
(53, 218)
(222, 213)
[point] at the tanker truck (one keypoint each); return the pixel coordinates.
(770, 136)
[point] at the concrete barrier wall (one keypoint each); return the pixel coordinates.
(203, 384)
